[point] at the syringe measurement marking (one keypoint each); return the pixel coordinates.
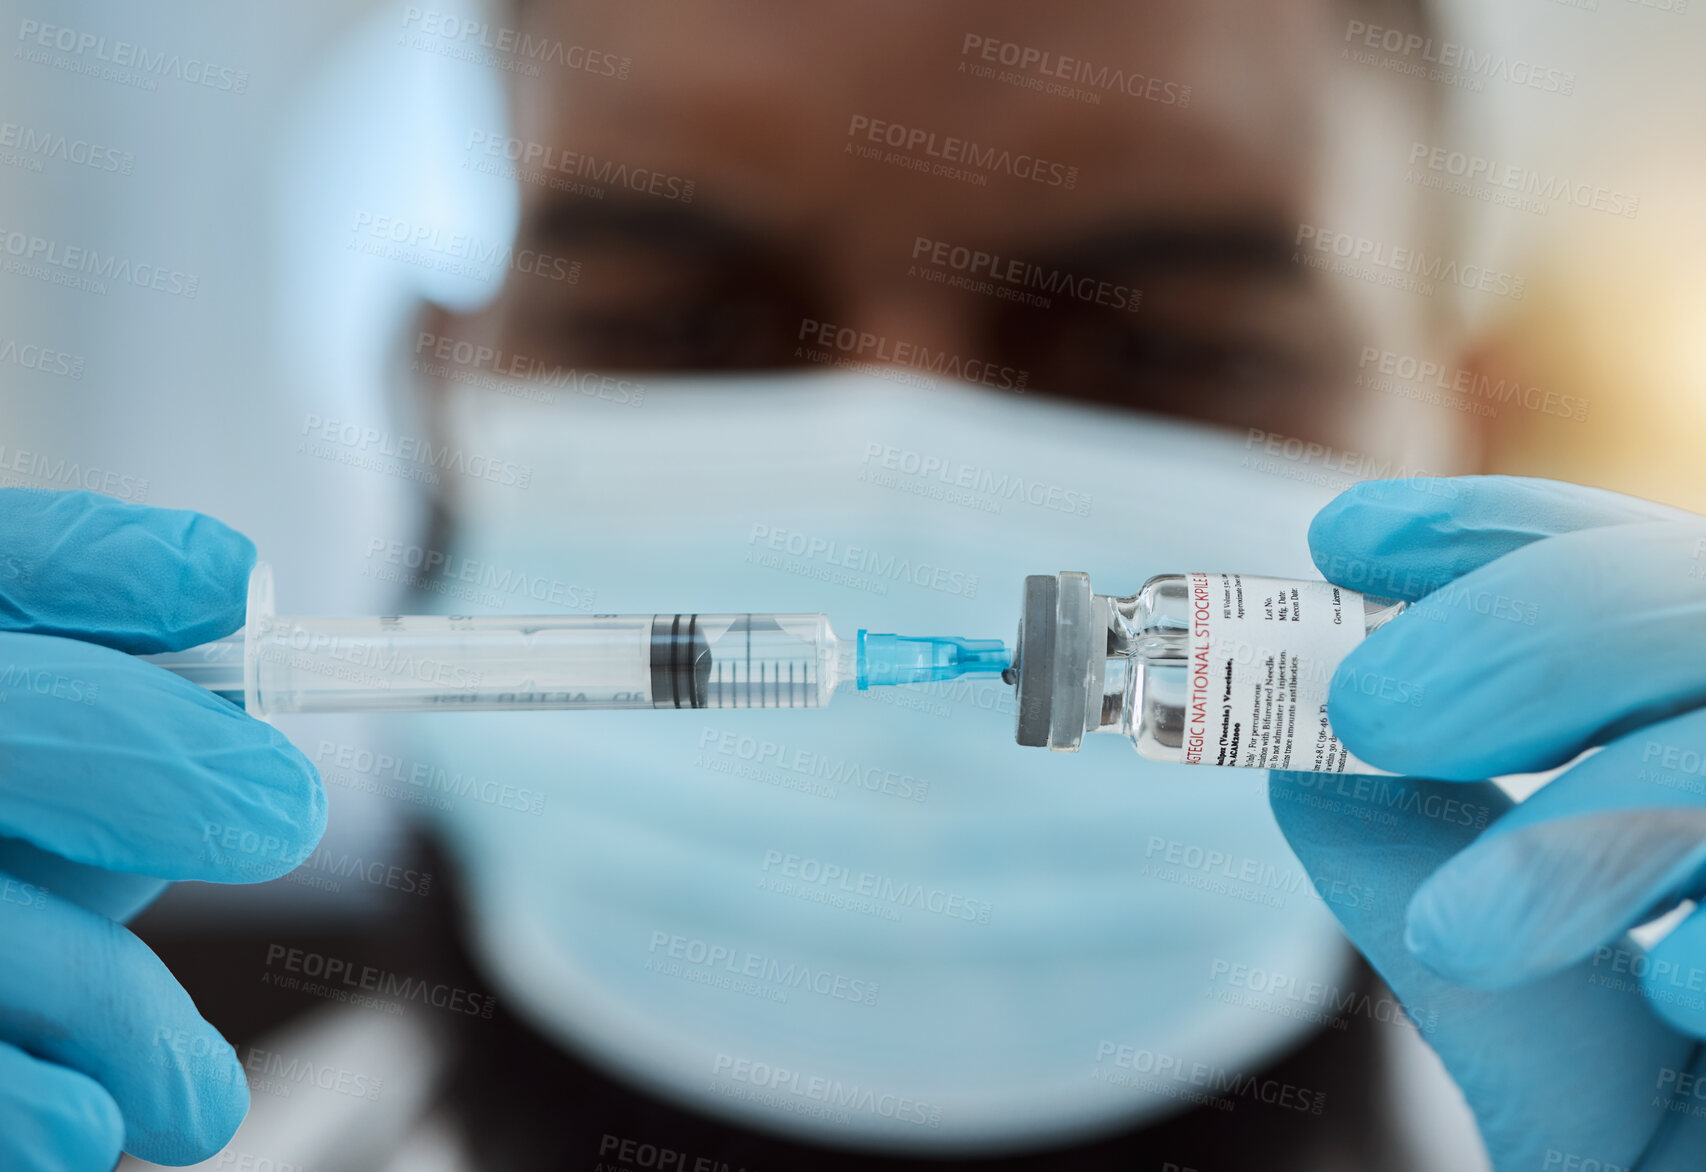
(763, 690)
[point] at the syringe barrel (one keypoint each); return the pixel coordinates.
(401, 663)
(438, 663)
(404, 663)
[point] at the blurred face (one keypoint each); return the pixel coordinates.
(909, 178)
(1106, 197)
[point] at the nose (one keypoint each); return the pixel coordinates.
(910, 316)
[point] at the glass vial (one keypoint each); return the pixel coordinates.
(1197, 669)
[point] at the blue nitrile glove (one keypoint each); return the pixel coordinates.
(116, 776)
(1560, 618)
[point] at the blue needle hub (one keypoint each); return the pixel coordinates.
(923, 659)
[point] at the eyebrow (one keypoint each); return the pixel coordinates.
(678, 228)
(1240, 247)
(1234, 246)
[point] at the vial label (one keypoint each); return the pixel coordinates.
(1263, 653)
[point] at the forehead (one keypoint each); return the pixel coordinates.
(786, 111)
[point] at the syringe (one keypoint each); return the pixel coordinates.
(403, 663)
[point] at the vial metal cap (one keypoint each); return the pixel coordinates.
(1053, 660)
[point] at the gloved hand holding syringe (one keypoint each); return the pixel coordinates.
(1218, 669)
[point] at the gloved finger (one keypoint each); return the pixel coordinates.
(112, 894)
(1520, 665)
(1680, 1141)
(1606, 845)
(80, 991)
(1516, 1054)
(126, 576)
(1673, 978)
(1406, 538)
(113, 762)
(53, 1119)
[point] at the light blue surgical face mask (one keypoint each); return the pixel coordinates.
(882, 923)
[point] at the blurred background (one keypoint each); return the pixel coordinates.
(190, 389)
(1609, 316)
